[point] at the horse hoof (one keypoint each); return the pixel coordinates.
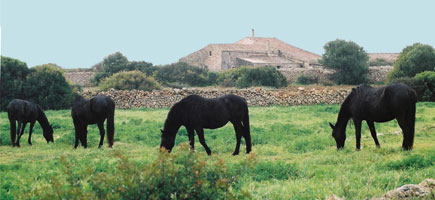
(235, 153)
(358, 149)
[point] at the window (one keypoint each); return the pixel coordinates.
(210, 53)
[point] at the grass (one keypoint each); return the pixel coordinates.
(295, 155)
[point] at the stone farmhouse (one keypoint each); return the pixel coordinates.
(252, 51)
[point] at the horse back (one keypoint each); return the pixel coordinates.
(382, 104)
(22, 110)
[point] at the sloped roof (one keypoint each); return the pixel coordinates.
(274, 43)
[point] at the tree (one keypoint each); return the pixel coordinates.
(348, 60)
(13, 77)
(413, 60)
(47, 86)
(142, 66)
(113, 63)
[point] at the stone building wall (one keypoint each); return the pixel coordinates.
(80, 78)
(292, 95)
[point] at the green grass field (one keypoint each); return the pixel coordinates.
(295, 155)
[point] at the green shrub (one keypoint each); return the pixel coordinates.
(423, 84)
(128, 81)
(252, 76)
(13, 77)
(182, 73)
(413, 60)
(180, 175)
(46, 85)
(262, 76)
(230, 77)
(307, 79)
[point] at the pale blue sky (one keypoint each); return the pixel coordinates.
(80, 33)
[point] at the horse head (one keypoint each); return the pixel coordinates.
(168, 140)
(48, 134)
(338, 133)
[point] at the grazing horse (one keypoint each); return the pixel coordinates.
(382, 104)
(24, 112)
(93, 111)
(196, 113)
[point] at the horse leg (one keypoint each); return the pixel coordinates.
(23, 126)
(13, 125)
(30, 132)
(200, 133)
(102, 133)
(84, 137)
(238, 130)
(373, 132)
(191, 134)
(77, 129)
(357, 123)
(247, 134)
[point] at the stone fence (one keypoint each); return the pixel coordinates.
(292, 95)
(375, 75)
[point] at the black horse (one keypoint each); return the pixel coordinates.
(382, 104)
(196, 113)
(25, 112)
(93, 111)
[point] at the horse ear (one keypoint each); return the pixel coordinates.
(331, 125)
(161, 131)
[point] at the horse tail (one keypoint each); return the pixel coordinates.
(411, 118)
(111, 124)
(247, 130)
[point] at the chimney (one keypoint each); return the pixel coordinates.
(253, 35)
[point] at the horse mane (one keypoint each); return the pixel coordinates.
(42, 118)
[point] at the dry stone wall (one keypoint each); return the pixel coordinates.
(254, 96)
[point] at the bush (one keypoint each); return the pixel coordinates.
(423, 84)
(252, 76)
(307, 79)
(180, 175)
(230, 77)
(128, 81)
(13, 77)
(428, 79)
(182, 73)
(348, 60)
(47, 86)
(413, 60)
(262, 76)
